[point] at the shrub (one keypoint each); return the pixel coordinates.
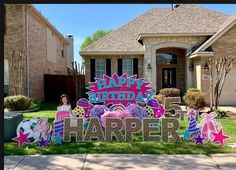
(166, 92)
(16, 103)
(191, 90)
(195, 100)
(170, 92)
(220, 113)
(34, 105)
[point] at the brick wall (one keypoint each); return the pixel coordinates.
(23, 22)
(14, 37)
(225, 46)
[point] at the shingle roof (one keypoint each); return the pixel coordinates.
(184, 19)
(189, 19)
(229, 23)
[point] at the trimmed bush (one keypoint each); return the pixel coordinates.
(15, 103)
(166, 92)
(195, 100)
(170, 92)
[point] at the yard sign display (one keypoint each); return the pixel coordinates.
(117, 108)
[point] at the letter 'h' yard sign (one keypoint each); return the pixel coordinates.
(117, 108)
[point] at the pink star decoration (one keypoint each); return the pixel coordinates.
(22, 138)
(219, 137)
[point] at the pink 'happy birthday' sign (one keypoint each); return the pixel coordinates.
(122, 89)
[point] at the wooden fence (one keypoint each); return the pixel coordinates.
(56, 85)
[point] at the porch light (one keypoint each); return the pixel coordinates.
(206, 67)
(149, 67)
(190, 67)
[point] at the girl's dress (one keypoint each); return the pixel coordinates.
(73, 120)
(64, 108)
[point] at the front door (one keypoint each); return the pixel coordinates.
(168, 77)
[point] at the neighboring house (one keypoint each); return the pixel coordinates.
(45, 48)
(70, 50)
(169, 48)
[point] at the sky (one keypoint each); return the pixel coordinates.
(82, 20)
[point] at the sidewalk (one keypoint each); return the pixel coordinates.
(120, 161)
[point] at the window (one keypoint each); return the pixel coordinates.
(166, 58)
(127, 66)
(100, 67)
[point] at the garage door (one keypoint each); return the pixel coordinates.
(228, 96)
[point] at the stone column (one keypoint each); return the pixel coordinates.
(149, 74)
(154, 67)
(189, 74)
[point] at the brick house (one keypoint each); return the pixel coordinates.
(45, 48)
(169, 48)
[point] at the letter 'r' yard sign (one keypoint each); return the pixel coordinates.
(118, 107)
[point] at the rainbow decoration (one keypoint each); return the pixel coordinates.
(117, 107)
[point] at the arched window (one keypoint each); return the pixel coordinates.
(166, 58)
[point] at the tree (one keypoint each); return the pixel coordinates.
(17, 69)
(77, 70)
(222, 65)
(91, 39)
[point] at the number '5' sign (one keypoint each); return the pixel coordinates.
(172, 107)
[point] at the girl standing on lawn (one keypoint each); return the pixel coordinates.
(66, 107)
(64, 104)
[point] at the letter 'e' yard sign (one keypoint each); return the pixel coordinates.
(117, 108)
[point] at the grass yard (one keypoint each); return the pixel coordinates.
(134, 147)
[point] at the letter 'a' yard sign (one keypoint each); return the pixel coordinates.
(117, 108)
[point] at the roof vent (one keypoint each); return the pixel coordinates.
(177, 5)
(69, 36)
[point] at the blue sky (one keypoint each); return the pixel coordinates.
(83, 20)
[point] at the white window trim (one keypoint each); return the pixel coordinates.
(105, 68)
(132, 65)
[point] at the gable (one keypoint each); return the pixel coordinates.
(226, 43)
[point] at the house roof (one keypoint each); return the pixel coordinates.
(189, 19)
(227, 25)
(124, 38)
(184, 20)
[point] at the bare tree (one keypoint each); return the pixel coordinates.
(77, 70)
(222, 65)
(75, 74)
(16, 68)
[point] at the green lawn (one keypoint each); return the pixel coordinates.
(134, 147)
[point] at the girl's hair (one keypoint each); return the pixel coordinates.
(62, 96)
